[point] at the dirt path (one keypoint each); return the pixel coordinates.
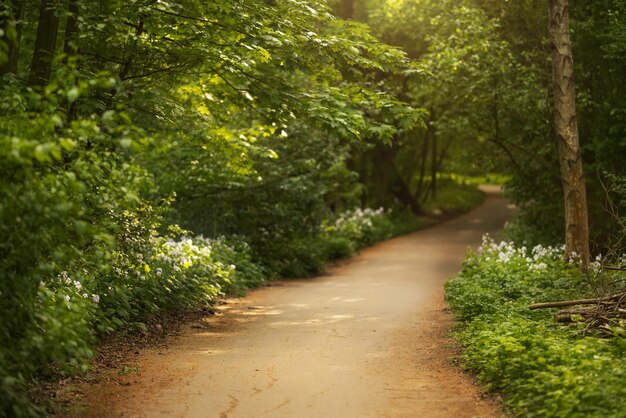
(366, 340)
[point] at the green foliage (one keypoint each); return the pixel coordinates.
(487, 178)
(541, 368)
(488, 94)
(82, 256)
(173, 275)
(454, 197)
(258, 127)
(60, 185)
(596, 29)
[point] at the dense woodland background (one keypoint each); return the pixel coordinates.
(155, 154)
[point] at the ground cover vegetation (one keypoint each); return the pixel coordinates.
(155, 154)
(542, 368)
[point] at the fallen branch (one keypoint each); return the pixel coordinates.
(618, 297)
(600, 315)
(563, 303)
(568, 315)
(614, 268)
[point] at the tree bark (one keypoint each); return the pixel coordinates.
(70, 45)
(433, 166)
(5, 41)
(423, 161)
(566, 130)
(11, 21)
(45, 43)
(346, 9)
(128, 62)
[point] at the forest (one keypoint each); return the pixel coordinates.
(156, 155)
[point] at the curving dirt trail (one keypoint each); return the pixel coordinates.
(366, 340)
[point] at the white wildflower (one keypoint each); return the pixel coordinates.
(66, 279)
(539, 266)
(595, 266)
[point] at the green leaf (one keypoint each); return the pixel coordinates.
(73, 94)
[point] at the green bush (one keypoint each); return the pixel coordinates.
(69, 311)
(361, 227)
(173, 275)
(80, 251)
(61, 185)
(337, 237)
(541, 368)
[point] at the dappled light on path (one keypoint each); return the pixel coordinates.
(369, 339)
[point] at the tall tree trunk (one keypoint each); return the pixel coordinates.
(433, 166)
(5, 27)
(70, 48)
(11, 25)
(395, 183)
(346, 9)
(444, 152)
(402, 192)
(128, 62)
(566, 130)
(45, 43)
(382, 172)
(70, 45)
(423, 162)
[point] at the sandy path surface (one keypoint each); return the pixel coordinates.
(366, 340)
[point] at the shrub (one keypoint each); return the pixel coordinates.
(337, 237)
(173, 275)
(361, 227)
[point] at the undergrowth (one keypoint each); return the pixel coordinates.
(543, 369)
